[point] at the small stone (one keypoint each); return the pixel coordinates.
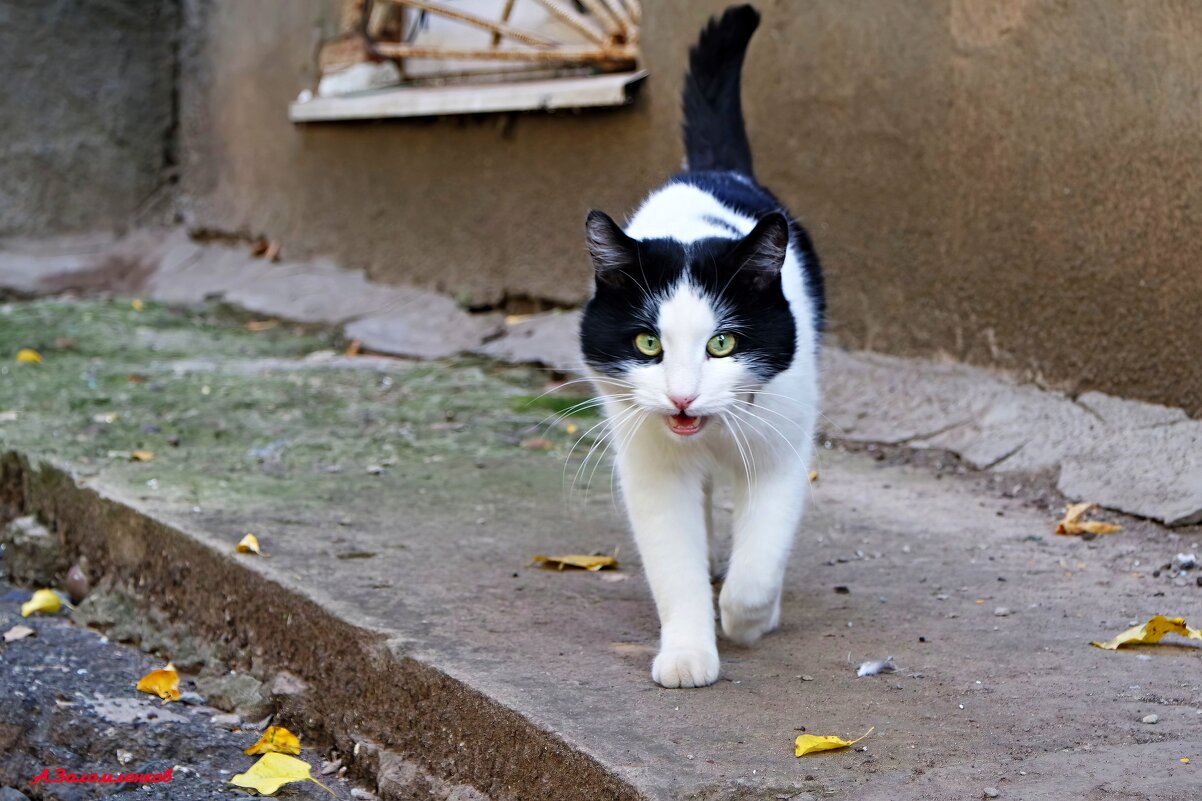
(77, 584)
(806, 677)
(991, 792)
(1185, 561)
(124, 757)
(363, 795)
(1150, 719)
(328, 767)
(229, 722)
(842, 589)
(192, 699)
(12, 794)
(1001, 611)
(286, 683)
(1179, 582)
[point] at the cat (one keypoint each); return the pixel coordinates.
(701, 338)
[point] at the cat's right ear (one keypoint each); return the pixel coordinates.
(611, 250)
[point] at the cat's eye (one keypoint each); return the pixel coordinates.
(720, 345)
(648, 344)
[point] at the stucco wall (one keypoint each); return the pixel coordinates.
(86, 113)
(1011, 183)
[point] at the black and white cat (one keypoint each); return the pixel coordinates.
(701, 337)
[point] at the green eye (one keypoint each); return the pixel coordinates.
(721, 345)
(648, 344)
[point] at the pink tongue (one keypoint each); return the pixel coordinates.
(684, 421)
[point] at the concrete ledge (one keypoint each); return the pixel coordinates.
(370, 693)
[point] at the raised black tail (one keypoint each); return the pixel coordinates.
(714, 135)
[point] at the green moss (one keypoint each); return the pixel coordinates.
(234, 414)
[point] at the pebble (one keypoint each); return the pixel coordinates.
(193, 699)
(991, 792)
(230, 722)
(1150, 719)
(806, 677)
(363, 795)
(1001, 611)
(1179, 582)
(1185, 561)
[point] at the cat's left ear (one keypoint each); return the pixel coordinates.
(761, 254)
(611, 249)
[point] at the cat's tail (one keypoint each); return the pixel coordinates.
(714, 135)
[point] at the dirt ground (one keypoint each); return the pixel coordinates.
(408, 501)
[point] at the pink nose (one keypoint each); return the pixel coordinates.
(682, 403)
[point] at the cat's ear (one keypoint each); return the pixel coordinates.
(611, 250)
(761, 254)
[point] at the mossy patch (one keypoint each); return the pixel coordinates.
(230, 412)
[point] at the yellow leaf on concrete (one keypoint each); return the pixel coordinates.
(29, 356)
(17, 632)
(163, 682)
(273, 771)
(809, 743)
(1072, 523)
(248, 544)
(583, 561)
(276, 740)
(42, 601)
(141, 456)
(1151, 632)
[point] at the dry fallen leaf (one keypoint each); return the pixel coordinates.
(42, 601)
(260, 325)
(276, 740)
(273, 771)
(1072, 523)
(141, 456)
(163, 682)
(1151, 632)
(248, 544)
(809, 743)
(353, 348)
(583, 561)
(29, 356)
(18, 632)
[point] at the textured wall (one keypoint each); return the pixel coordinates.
(1013, 183)
(86, 112)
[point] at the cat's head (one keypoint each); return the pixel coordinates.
(687, 330)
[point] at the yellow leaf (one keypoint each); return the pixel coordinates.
(42, 601)
(164, 683)
(29, 356)
(1072, 525)
(273, 771)
(577, 560)
(141, 456)
(136, 304)
(249, 544)
(1151, 632)
(276, 740)
(809, 743)
(17, 633)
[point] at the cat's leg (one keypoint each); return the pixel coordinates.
(665, 504)
(768, 511)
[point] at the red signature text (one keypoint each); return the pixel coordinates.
(61, 776)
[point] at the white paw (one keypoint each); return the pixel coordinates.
(744, 621)
(685, 667)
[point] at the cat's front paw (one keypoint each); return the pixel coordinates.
(685, 667)
(745, 622)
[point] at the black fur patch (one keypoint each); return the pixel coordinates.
(753, 303)
(744, 195)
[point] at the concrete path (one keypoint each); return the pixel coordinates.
(401, 504)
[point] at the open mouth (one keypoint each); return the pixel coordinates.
(684, 425)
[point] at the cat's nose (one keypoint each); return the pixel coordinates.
(682, 402)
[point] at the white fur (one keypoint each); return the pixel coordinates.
(763, 446)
